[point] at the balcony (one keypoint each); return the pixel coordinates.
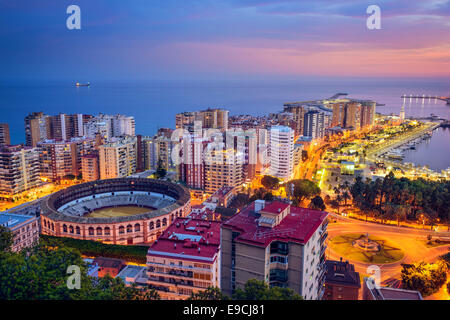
(278, 275)
(323, 237)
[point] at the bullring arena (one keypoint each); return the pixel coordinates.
(117, 211)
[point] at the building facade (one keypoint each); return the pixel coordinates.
(59, 159)
(277, 243)
(5, 138)
(117, 159)
(342, 282)
(281, 152)
(223, 168)
(185, 259)
(24, 228)
(19, 170)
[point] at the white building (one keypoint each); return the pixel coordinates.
(110, 126)
(281, 152)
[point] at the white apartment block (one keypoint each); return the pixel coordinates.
(281, 152)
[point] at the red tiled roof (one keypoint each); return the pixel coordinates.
(185, 236)
(276, 207)
(298, 226)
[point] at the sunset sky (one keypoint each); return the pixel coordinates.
(206, 39)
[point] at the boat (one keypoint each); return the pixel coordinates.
(82, 84)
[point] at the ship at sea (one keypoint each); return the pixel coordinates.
(82, 84)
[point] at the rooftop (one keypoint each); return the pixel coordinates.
(108, 262)
(275, 207)
(298, 226)
(11, 220)
(189, 239)
(341, 273)
(387, 293)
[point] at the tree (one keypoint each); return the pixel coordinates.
(259, 290)
(239, 201)
(161, 170)
(424, 277)
(212, 293)
(317, 203)
(40, 273)
(270, 182)
(6, 239)
(304, 189)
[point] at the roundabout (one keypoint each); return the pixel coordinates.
(366, 248)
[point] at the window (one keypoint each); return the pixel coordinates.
(77, 230)
(107, 231)
(164, 222)
(99, 231)
(121, 229)
(91, 231)
(71, 229)
(64, 228)
(158, 223)
(129, 228)
(137, 227)
(152, 225)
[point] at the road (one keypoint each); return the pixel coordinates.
(411, 241)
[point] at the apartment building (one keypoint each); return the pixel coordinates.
(117, 159)
(24, 228)
(210, 118)
(109, 126)
(342, 282)
(90, 166)
(37, 128)
(277, 243)
(353, 114)
(185, 258)
(223, 168)
(314, 124)
(5, 138)
(281, 152)
(19, 170)
(62, 158)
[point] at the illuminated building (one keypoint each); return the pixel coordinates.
(185, 259)
(117, 158)
(298, 110)
(314, 124)
(210, 118)
(347, 167)
(277, 243)
(19, 170)
(281, 152)
(24, 229)
(90, 167)
(72, 212)
(59, 159)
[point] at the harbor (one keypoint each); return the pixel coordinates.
(398, 153)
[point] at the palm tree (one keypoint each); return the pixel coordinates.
(346, 196)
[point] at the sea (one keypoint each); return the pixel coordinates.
(155, 103)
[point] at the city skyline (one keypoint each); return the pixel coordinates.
(225, 150)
